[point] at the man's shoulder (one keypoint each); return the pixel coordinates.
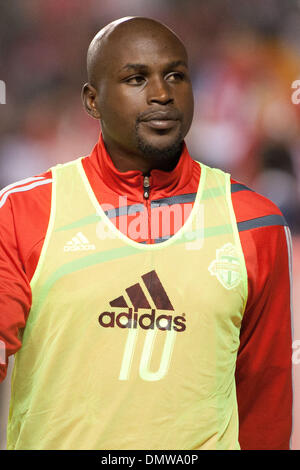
(27, 191)
(24, 214)
(253, 210)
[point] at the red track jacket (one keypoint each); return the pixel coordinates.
(263, 369)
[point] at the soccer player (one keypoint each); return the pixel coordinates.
(146, 296)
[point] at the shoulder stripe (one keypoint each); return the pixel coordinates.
(266, 221)
(190, 197)
(20, 183)
(23, 188)
(236, 187)
(290, 249)
(162, 239)
(180, 199)
(290, 258)
(124, 210)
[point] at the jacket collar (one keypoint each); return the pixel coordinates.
(130, 183)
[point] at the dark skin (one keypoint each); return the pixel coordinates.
(139, 88)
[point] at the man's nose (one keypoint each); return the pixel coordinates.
(159, 91)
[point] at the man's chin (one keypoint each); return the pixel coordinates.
(161, 149)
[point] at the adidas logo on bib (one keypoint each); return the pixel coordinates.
(79, 243)
(151, 316)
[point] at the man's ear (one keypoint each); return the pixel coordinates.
(88, 95)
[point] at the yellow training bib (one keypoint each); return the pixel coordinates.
(128, 345)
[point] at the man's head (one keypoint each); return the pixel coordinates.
(139, 88)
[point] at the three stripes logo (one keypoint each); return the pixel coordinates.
(79, 243)
(130, 316)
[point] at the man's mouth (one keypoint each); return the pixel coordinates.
(162, 120)
(162, 124)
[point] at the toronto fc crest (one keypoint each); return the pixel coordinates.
(226, 267)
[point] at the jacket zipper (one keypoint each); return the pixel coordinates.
(146, 189)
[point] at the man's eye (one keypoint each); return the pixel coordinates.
(175, 76)
(136, 80)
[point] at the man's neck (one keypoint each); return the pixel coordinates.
(125, 161)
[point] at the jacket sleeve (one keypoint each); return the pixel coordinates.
(264, 363)
(15, 292)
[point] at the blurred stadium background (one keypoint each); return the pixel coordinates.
(244, 57)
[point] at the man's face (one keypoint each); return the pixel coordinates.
(144, 95)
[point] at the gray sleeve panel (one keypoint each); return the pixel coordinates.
(266, 221)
